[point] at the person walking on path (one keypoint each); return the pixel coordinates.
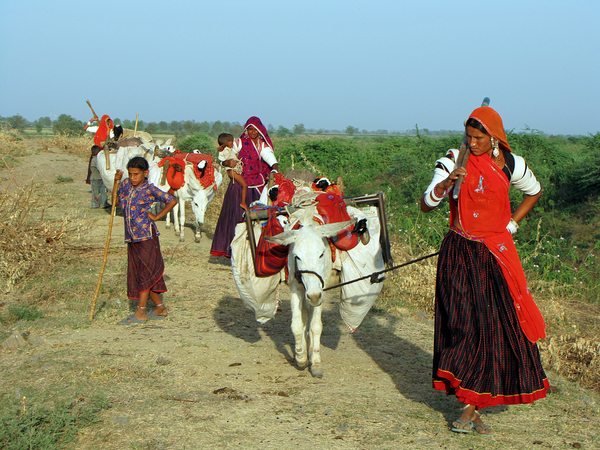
(255, 150)
(486, 322)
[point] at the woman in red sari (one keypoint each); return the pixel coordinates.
(104, 129)
(486, 322)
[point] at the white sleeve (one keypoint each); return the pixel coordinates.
(444, 166)
(523, 178)
(92, 129)
(237, 145)
(268, 156)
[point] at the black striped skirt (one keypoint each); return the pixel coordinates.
(145, 267)
(480, 352)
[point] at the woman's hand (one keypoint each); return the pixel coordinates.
(451, 180)
(118, 175)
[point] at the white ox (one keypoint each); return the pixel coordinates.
(118, 159)
(193, 192)
(310, 271)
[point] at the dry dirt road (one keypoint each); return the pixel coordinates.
(210, 376)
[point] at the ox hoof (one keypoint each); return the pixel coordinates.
(177, 233)
(197, 239)
(168, 226)
(316, 372)
(181, 238)
(302, 364)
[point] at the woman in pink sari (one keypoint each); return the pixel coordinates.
(255, 149)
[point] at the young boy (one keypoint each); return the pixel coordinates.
(228, 153)
(99, 195)
(145, 265)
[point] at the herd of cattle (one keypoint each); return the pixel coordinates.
(313, 263)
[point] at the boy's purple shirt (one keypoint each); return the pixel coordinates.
(135, 203)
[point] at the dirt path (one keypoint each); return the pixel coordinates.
(211, 377)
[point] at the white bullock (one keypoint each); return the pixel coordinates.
(118, 159)
(193, 192)
(310, 271)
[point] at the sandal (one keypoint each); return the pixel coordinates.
(130, 320)
(483, 429)
(462, 428)
(153, 315)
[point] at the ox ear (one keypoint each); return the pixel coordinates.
(332, 229)
(285, 238)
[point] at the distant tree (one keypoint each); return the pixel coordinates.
(38, 126)
(350, 130)
(320, 131)
(299, 129)
(128, 124)
(236, 130)
(151, 128)
(18, 122)
(66, 124)
(270, 128)
(204, 127)
(176, 126)
(45, 121)
(141, 125)
(283, 131)
(163, 126)
(216, 129)
(188, 126)
(364, 132)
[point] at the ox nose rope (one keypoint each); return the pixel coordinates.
(374, 277)
(298, 275)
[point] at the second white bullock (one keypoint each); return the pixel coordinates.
(193, 192)
(310, 271)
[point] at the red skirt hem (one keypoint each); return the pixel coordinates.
(219, 253)
(451, 385)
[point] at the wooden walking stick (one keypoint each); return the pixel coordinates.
(463, 157)
(137, 116)
(112, 216)
(93, 112)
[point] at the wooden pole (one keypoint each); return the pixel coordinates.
(110, 225)
(137, 116)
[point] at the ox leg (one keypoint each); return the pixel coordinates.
(175, 212)
(182, 221)
(299, 320)
(314, 342)
(168, 220)
(198, 235)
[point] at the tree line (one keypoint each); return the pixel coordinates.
(66, 124)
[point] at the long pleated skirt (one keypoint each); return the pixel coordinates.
(480, 352)
(231, 214)
(145, 268)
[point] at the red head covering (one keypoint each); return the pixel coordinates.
(102, 132)
(256, 123)
(492, 122)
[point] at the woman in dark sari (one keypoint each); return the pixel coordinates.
(486, 322)
(255, 149)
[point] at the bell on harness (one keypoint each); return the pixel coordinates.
(202, 167)
(273, 192)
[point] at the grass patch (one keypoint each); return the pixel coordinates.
(20, 312)
(38, 425)
(61, 179)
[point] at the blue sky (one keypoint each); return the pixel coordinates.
(375, 64)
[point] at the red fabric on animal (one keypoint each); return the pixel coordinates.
(332, 208)
(270, 257)
(286, 190)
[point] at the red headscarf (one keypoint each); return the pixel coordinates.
(103, 129)
(484, 211)
(255, 171)
(492, 122)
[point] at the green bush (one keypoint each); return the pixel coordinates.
(199, 141)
